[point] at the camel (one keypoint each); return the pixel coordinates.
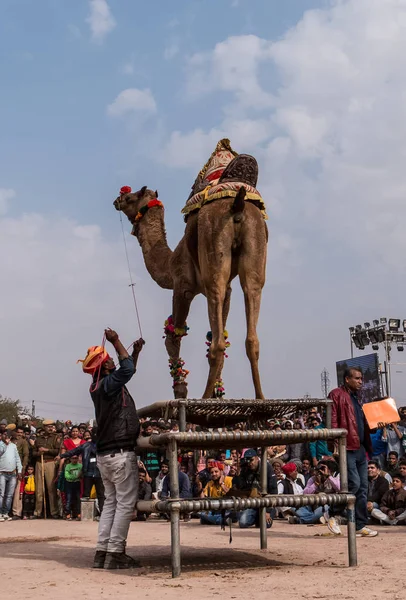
(223, 239)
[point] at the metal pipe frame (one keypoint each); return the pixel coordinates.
(239, 438)
(237, 504)
(342, 453)
(264, 490)
(174, 507)
(182, 416)
(351, 533)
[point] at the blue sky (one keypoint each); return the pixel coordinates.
(98, 94)
(57, 83)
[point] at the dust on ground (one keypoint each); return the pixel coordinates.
(51, 559)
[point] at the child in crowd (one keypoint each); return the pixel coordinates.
(27, 493)
(73, 475)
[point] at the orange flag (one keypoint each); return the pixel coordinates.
(381, 411)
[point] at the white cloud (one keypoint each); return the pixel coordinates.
(232, 66)
(5, 196)
(128, 68)
(171, 50)
(132, 100)
(192, 149)
(100, 20)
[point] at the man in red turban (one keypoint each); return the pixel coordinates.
(117, 432)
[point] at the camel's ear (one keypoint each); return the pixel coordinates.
(143, 190)
(156, 193)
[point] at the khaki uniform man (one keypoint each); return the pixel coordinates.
(24, 452)
(48, 446)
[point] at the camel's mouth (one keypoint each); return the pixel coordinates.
(117, 203)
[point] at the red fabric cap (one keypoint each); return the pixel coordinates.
(126, 189)
(289, 468)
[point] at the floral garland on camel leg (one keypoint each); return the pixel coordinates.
(219, 390)
(176, 364)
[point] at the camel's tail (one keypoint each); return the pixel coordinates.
(239, 202)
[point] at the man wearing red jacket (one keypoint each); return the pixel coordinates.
(347, 414)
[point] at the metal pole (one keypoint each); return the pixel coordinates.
(352, 535)
(352, 346)
(182, 416)
(328, 415)
(387, 369)
(264, 490)
(175, 506)
(342, 452)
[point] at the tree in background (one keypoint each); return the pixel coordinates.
(9, 409)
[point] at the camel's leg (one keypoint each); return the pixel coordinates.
(252, 282)
(226, 310)
(180, 311)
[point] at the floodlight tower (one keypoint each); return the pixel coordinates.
(325, 382)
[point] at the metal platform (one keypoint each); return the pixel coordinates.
(229, 412)
(241, 439)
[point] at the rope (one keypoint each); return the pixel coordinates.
(132, 284)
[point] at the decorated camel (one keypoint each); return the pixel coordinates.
(223, 238)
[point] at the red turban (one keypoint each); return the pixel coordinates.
(218, 465)
(96, 356)
(289, 468)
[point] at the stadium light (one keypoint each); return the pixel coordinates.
(383, 320)
(394, 324)
(375, 322)
(404, 324)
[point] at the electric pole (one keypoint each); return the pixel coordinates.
(33, 408)
(325, 382)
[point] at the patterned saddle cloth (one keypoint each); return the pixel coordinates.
(222, 176)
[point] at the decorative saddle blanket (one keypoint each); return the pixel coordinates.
(222, 176)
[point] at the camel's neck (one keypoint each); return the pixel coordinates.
(157, 254)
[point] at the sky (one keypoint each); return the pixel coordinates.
(103, 93)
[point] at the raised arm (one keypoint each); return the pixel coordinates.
(115, 380)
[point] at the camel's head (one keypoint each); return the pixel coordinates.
(132, 202)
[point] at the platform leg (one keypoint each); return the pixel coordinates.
(175, 512)
(175, 541)
(342, 452)
(182, 416)
(264, 489)
(352, 537)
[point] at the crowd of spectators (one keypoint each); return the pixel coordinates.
(61, 462)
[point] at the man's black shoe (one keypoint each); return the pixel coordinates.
(99, 559)
(120, 560)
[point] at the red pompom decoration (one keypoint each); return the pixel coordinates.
(125, 189)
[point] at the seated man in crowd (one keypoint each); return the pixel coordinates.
(402, 469)
(217, 487)
(292, 484)
(249, 480)
(392, 510)
(392, 463)
(159, 481)
(204, 475)
(377, 485)
(318, 449)
(322, 481)
(144, 493)
(306, 469)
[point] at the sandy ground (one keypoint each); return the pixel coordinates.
(51, 559)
